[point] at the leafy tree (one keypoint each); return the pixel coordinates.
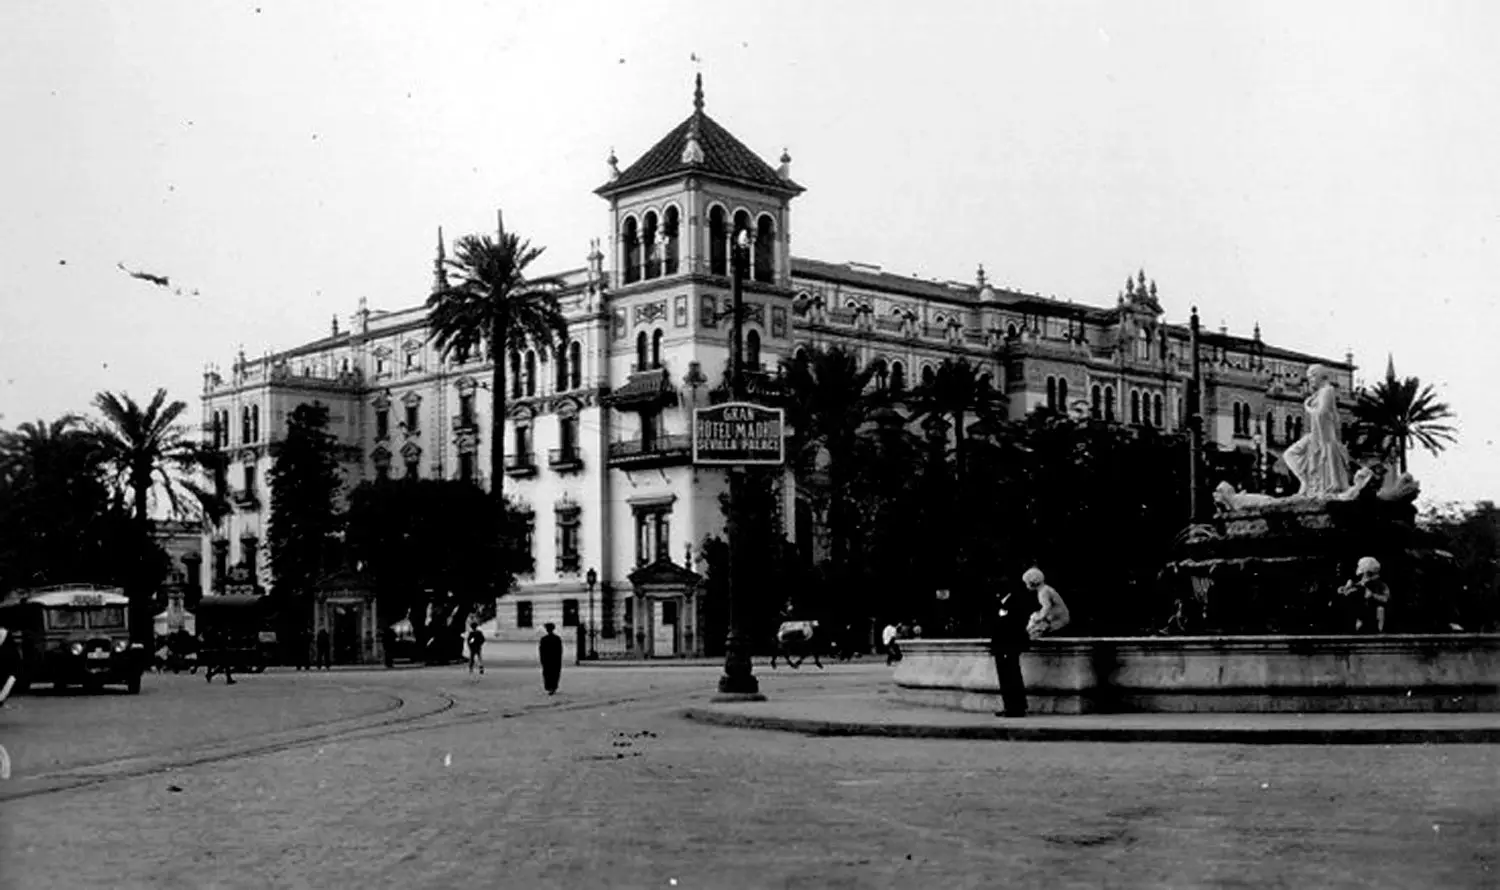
(148, 453)
(1472, 534)
(439, 546)
(1397, 413)
(494, 305)
(305, 479)
(957, 391)
(59, 520)
(828, 401)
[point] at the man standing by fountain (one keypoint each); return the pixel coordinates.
(1007, 643)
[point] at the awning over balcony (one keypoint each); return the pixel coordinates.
(644, 390)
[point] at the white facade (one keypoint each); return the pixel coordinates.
(652, 344)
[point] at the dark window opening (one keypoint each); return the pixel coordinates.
(382, 423)
(765, 250)
(412, 419)
(515, 375)
(575, 365)
(718, 242)
(898, 377)
(670, 231)
(570, 613)
(523, 613)
(650, 239)
(630, 243)
(530, 373)
(752, 351)
(656, 348)
(641, 354)
(466, 467)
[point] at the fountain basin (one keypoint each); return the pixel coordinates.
(1232, 674)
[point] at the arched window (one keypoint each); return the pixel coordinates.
(255, 423)
(1096, 403)
(927, 375)
(752, 350)
(515, 375)
(765, 249)
(642, 357)
(1156, 410)
(630, 247)
(244, 426)
(1135, 406)
(1010, 332)
(562, 368)
(648, 241)
(1109, 403)
(670, 229)
(656, 348)
(1052, 393)
(530, 373)
(575, 365)
(1062, 395)
(898, 377)
(718, 242)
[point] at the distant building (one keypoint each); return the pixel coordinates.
(597, 439)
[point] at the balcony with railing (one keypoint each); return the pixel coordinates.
(565, 459)
(666, 450)
(519, 466)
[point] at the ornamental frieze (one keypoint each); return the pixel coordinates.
(646, 313)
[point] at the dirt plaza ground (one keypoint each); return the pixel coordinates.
(431, 778)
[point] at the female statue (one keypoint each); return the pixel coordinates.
(1318, 459)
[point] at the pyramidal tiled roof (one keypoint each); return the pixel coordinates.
(720, 154)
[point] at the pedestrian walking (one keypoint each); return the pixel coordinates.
(892, 648)
(220, 658)
(325, 650)
(551, 650)
(476, 648)
(1007, 642)
(10, 666)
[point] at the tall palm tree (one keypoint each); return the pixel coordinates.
(495, 305)
(828, 401)
(39, 449)
(1397, 412)
(957, 391)
(148, 452)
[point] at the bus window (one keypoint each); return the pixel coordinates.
(64, 619)
(109, 616)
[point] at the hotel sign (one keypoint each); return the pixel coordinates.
(738, 433)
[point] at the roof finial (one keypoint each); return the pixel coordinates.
(698, 95)
(439, 270)
(979, 276)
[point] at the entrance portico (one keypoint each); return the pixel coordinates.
(665, 611)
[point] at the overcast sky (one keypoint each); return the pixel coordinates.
(1328, 170)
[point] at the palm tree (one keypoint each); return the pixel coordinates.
(147, 452)
(1396, 413)
(827, 403)
(957, 390)
(40, 450)
(496, 306)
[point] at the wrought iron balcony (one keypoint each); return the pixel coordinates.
(661, 451)
(568, 562)
(565, 459)
(520, 465)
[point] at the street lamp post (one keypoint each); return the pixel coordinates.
(1194, 420)
(591, 579)
(738, 682)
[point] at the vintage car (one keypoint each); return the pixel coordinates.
(234, 631)
(74, 635)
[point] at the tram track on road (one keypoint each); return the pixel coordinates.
(436, 710)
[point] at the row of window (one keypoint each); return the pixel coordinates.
(653, 537)
(249, 426)
(1242, 421)
(523, 371)
(571, 617)
(651, 246)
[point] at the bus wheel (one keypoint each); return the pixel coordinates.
(133, 685)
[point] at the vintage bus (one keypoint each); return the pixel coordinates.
(74, 635)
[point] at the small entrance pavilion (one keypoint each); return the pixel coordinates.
(345, 605)
(664, 617)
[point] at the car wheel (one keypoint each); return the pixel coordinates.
(133, 685)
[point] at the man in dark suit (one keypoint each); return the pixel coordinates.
(1007, 641)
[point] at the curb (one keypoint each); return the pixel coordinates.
(1172, 734)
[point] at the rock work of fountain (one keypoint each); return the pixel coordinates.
(1268, 565)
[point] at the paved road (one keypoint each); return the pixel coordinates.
(490, 783)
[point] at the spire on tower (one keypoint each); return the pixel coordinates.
(698, 95)
(439, 266)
